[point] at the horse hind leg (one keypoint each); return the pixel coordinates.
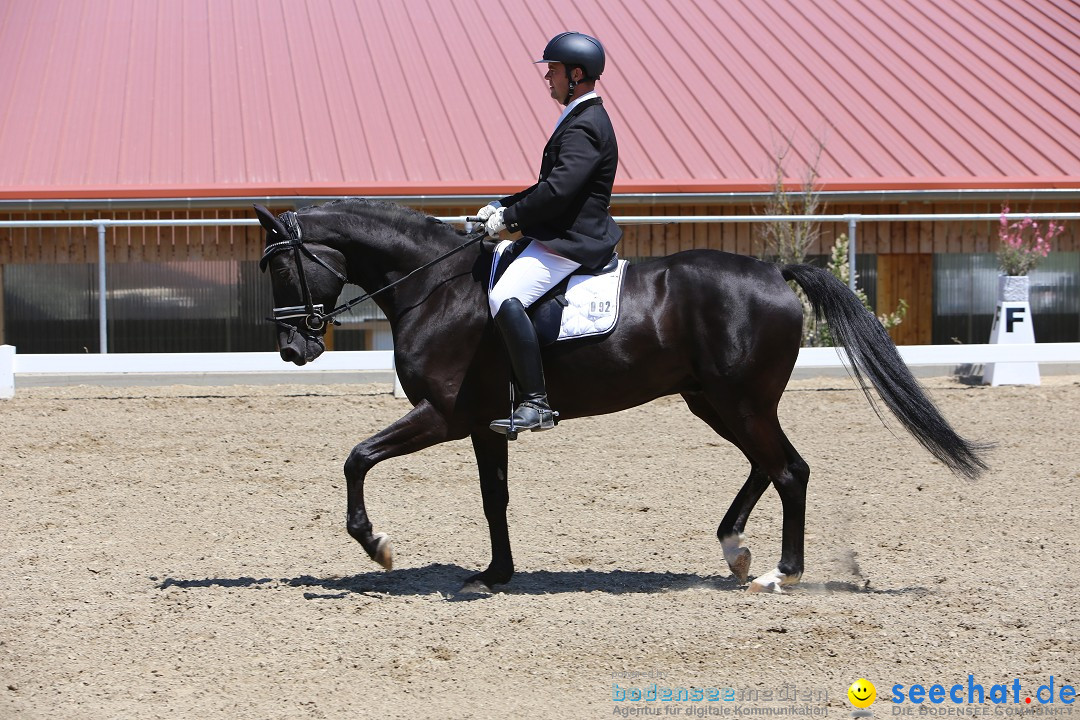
(732, 527)
(731, 531)
(766, 443)
(757, 433)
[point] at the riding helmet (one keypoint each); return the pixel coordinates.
(574, 48)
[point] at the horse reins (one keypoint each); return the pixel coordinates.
(312, 313)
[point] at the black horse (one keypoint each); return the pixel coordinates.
(722, 330)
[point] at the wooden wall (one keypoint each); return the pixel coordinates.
(62, 245)
(130, 244)
(911, 237)
(909, 276)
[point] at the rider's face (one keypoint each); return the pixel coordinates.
(558, 83)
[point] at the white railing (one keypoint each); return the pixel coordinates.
(852, 220)
(188, 363)
(180, 364)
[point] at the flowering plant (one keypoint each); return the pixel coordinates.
(1023, 242)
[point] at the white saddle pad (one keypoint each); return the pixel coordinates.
(593, 301)
(593, 304)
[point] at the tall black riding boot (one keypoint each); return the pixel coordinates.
(533, 411)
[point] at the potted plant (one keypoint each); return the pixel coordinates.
(1021, 244)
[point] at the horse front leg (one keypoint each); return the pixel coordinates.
(422, 427)
(491, 461)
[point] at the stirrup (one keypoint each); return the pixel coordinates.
(528, 416)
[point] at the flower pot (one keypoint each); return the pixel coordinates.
(1013, 288)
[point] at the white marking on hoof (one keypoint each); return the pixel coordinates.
(737, 555)
(772, 582)
(477, 587)
(384, 551)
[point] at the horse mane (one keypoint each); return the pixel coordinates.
(392, 214)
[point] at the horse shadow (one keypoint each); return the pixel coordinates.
(447, 581)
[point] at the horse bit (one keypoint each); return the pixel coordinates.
(314, 318)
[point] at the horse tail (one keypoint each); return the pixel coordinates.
(873, 356)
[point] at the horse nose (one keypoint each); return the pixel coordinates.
(291, 354)
(315, 348)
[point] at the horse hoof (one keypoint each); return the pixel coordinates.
(737, 556)
(485, 582)
(760, 585)
(773, 581)
(740, 565)
(476, 586)
(384, 551)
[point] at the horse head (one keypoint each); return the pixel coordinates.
(306, 277)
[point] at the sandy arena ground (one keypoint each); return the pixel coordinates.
(179, 552)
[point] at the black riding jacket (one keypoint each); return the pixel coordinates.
(568, 209)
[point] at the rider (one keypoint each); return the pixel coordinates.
(565, 216)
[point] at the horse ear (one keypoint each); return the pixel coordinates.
(269, 221)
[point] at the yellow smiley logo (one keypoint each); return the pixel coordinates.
(862, 693)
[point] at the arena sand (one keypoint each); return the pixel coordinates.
(179, 552)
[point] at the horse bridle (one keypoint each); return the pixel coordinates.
(310, 311)
(314, 318)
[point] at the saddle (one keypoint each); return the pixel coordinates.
(594, 306)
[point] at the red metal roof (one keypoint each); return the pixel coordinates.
(166, 98)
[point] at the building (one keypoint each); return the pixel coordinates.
(165, 109)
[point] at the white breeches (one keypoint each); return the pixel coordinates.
(532, 274)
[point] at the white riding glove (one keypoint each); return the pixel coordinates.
(495, 222)
(485, 212)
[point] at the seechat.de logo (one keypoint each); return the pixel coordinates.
(862, 694)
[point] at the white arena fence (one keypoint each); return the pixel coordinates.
(180, 364)
(852, 219)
